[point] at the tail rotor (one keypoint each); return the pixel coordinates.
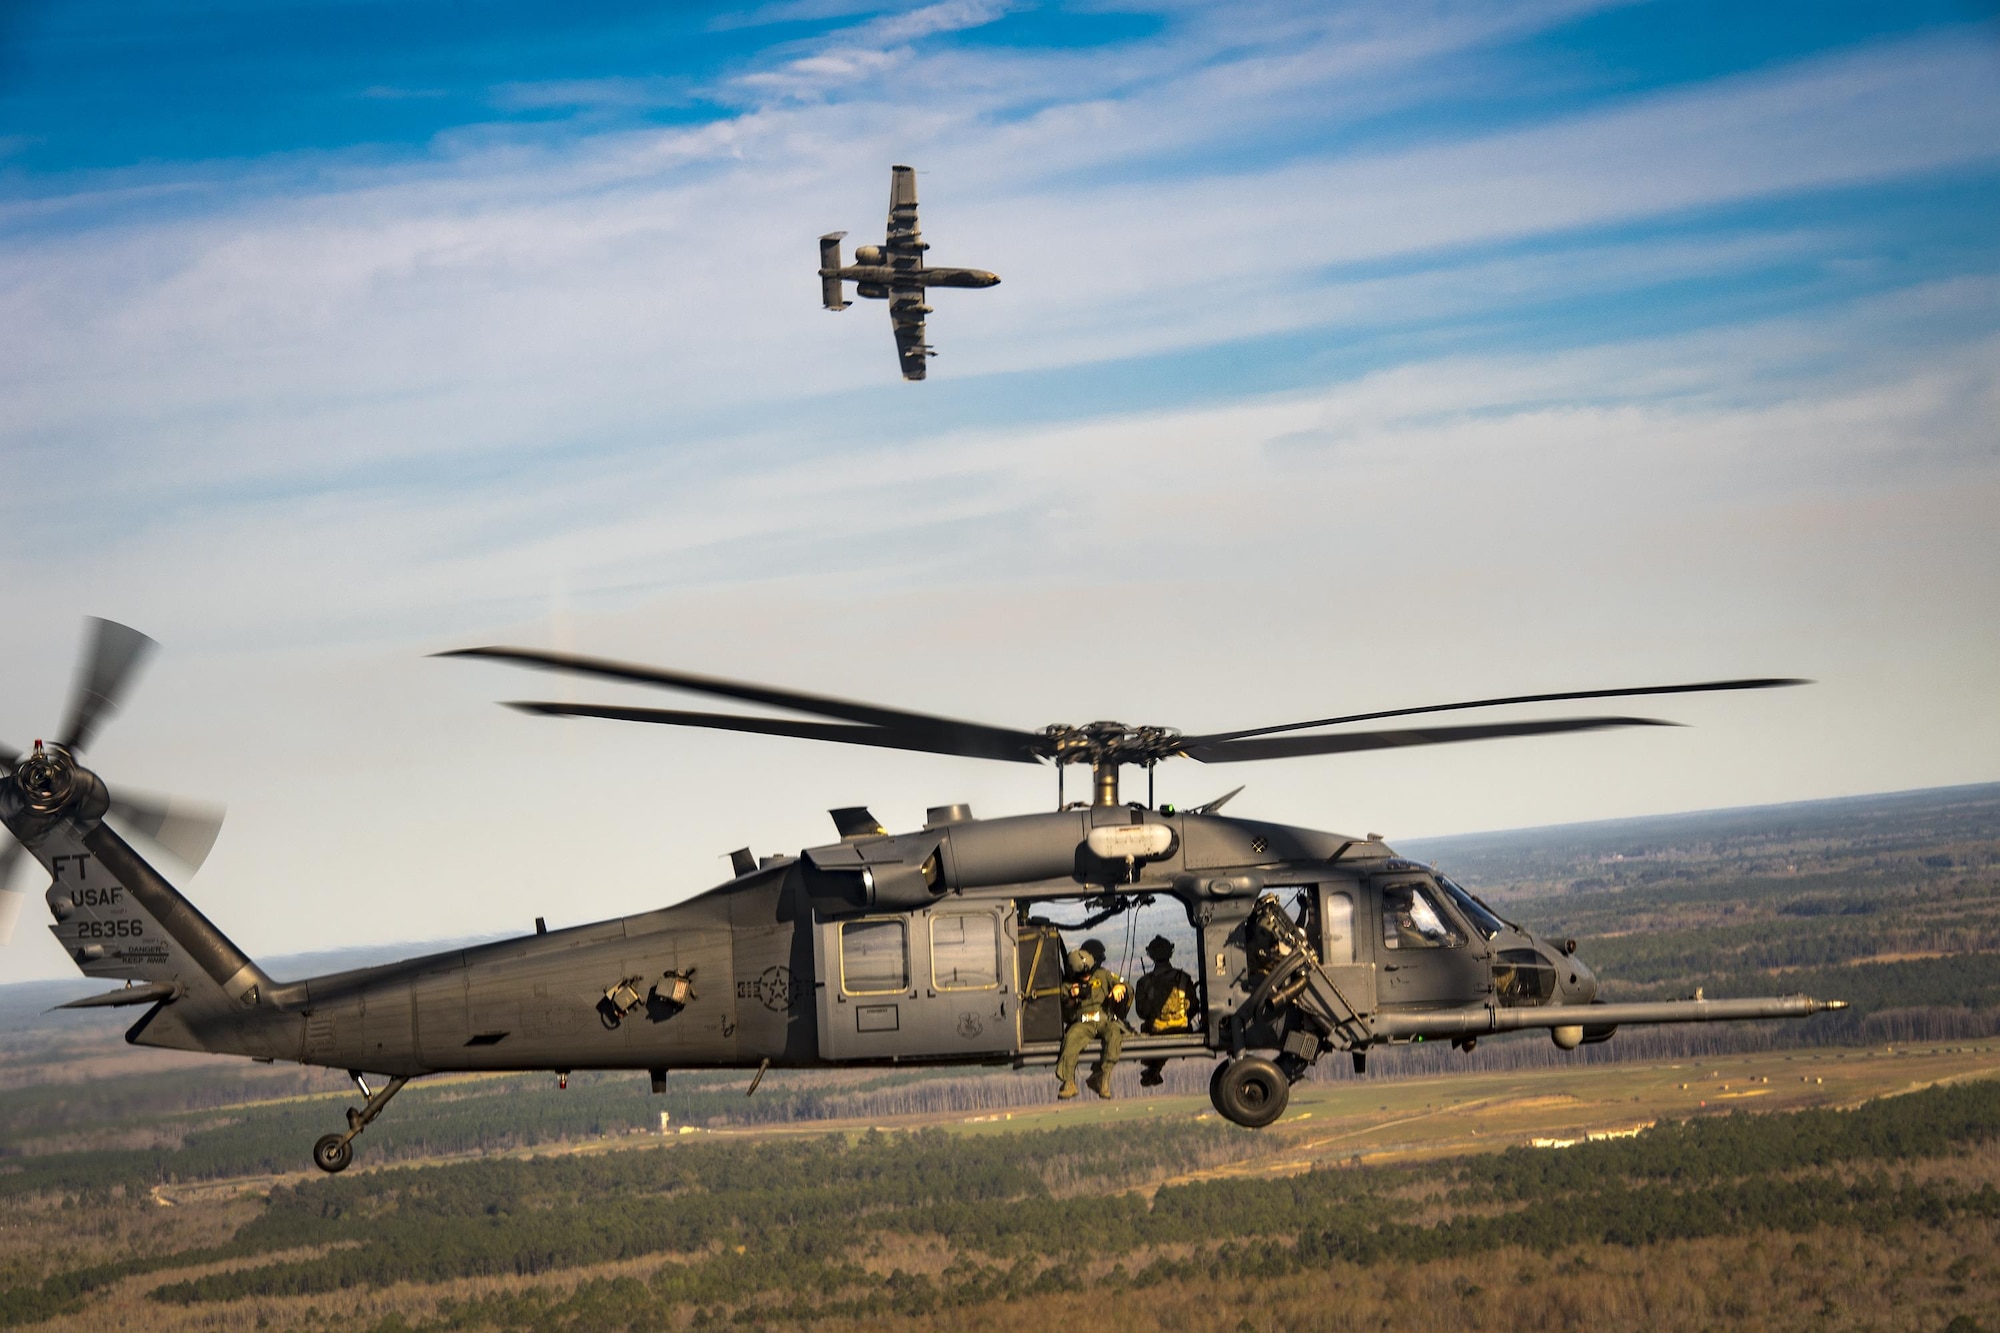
(113, 654)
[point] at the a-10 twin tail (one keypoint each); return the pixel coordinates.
(933, 947)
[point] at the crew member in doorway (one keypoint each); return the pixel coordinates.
(1118, 1006)
(1088, 999)
(1165, 1000)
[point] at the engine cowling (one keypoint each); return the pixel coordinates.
(872, 290)
(867, 254)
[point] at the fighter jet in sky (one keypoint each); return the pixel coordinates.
(894, 271)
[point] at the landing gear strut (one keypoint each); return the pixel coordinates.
(334, 1151)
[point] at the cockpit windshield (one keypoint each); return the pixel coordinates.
(1481, 915)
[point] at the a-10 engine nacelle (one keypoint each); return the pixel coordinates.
(867, 254)
(873, 290)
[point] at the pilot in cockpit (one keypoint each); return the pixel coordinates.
(1412, 921)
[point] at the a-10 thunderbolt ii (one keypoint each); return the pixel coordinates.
(928, 947)
(894, 271)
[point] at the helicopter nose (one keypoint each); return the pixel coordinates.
(1576, 981)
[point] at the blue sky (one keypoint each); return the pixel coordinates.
(1347, 356)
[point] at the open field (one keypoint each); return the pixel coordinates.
(1328, 1123)
(1838, 1173)
(1387, 1157)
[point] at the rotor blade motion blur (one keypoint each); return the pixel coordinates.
(113, 654)
(840, 732)
(11, 898)
(186, 828)
(1706, 687)
(943, 735)
(1102, 745)
(1290, 747)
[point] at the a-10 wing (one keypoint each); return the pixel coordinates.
(903, 248)
(906, 319)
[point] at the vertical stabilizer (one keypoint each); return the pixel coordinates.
(119, 918)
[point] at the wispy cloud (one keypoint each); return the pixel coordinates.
(627, 92)
(868, 51)
(1602, 385)
(382, 92)
(794, 11)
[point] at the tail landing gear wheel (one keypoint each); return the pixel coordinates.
(1250, 1091)
(335, 1151)
(332, 1153)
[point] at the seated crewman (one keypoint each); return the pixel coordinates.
(1164, 998)
(1088, 1000)
(1410, 921)
(1119, 1005)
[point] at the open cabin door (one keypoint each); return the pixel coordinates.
(1038, 960)
(937, 981)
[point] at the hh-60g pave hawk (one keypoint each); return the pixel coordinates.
(921, 948)
(894, 271)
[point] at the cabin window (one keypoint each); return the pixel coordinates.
(1339, 929)
(1412, 919)
(874, 957)
(965, 951)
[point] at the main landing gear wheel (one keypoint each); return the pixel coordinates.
(1250, 1091)
(332, 1153)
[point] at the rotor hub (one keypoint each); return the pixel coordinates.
(47, 779)
(1102, 743)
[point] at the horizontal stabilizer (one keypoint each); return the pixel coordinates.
(830, 293)
(146, 994)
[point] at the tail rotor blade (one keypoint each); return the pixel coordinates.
(12, 900)
(186, 828)
(115, 652)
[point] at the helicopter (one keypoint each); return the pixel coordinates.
(920, 948)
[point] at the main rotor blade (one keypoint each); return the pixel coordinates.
(1705, 687)
(186, 828)
(9, 756)
(113, 654)
(1289, 747)
(887, 738)
(953, 735)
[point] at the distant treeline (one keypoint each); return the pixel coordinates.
(807, 1214)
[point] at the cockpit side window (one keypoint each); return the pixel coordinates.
(1412, 919)
(1481, 916)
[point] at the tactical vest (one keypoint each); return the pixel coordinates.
(1166, 1000)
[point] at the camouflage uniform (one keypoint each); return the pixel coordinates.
(1090, 1002)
